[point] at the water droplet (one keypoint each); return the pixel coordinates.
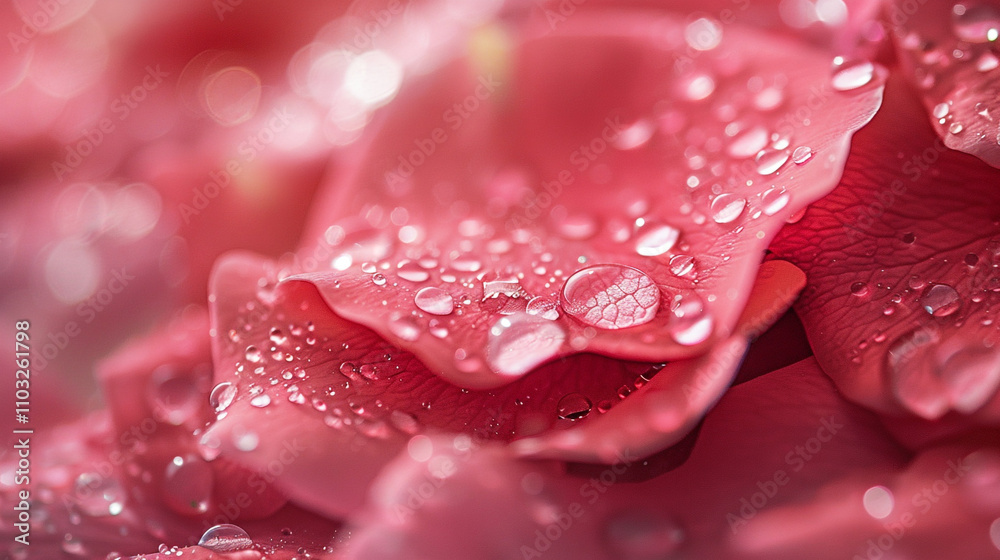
(770, 161)
(188, 484)
(656, 239)
(802, 154)
(174, 397)
(955, 128)
(348, 369)
(940, 300)
(466, 263)
(253, 354)
(611, 296)
(909, 238)
(260, 401)
(976, 21)
(405, 422)
(412, 272)
(368, 268)
(971, 259)
(690, 323)
(773, 200)
(438, 328)
(99, 496)
(434, 301)
(544, 307)
(222, 396)
(852, 75)
(726, 208)
(860, 289)
(941, 110)
(519, 342)
(681, 265)
(986, 62)
(225, 538)
(573, 406)
(634, 535)
(378, 279)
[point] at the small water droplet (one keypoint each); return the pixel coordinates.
(802, 154)
(749, 142)
(544, 307)
(434, 301)
(260, 401)
(940, 300)
(971, 259)
(222, 396)
(941, 110)
(681, 265)
(773, 200)
(656, 239)
(726, 208)
(955, 128)
(368, 268)
(611, 296)
(909, 238)
(690, 323)
(859, 289)
(225, 538)
(378, 279)
(253, 354)
(519, 342)
(573, 406)
(852, 75)
(405, 422)
(412, 272)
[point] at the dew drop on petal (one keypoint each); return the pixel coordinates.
(378, 279)
(412, 272)
(690, 323)
(260, 401)
(770, 161)
(940, 300)
(573, 406)
(225, 538)
(405, 327)
(852, 75)
(611, 296)
(681, 265)
(773, 200)
(859, 289)
(519, 342)
(748, 142)
(801, 155)
(222, 396)
(941, 110)
(656, 239)
(187, 485)
(544, 307)
(726, 208)
(253, 354)
(434, 301)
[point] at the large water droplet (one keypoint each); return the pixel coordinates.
(519, 342)
(434, 301)
(773, 200)
(802, 154)
(411, 271)
(222, 396)
(940, 300)
(99, 496)
(852, 75)
(573, 406)
(748, 142)
(260, 401)
(770, 161)
(727, 207)
(611, 296)
(253, 354)
(976, 21)
(656, 239)
(225, 538)
(188, 484)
